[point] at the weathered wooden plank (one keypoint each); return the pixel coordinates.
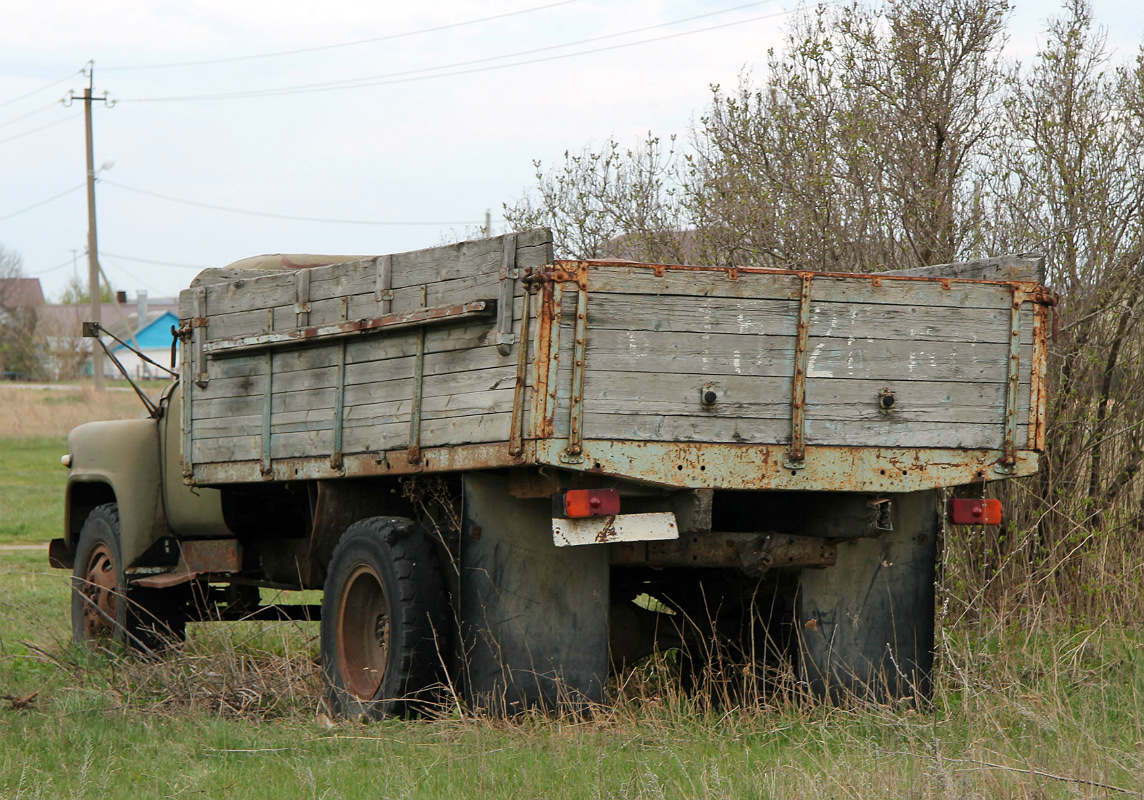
(1025, 267)
(463, 260)
(749, 317)
(729, 354)
(607, 391)
(363, 372)
(628, 279)
(356, 306)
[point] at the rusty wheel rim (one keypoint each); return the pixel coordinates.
(363, 633)
(100, 592)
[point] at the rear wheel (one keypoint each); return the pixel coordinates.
(103, 611)
(384, 620)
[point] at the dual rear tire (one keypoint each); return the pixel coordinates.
(385, 624)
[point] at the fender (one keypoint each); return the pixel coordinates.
(117, 461)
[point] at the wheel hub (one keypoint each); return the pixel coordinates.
(100, 593)
(363, 633)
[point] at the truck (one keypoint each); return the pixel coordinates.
(512, 475)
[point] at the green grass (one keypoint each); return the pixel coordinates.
(1037, 712)
(32, 483)
(1032, 704)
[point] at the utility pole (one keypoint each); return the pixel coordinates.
(488, 223)
(92, 239)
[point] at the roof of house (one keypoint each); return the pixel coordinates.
(118, 318)
(20, 293)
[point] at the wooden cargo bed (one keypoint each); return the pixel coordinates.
(689, 376)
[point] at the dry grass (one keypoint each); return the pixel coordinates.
(29, 411)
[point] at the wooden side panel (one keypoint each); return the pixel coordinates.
(466, 387)
(654, 346)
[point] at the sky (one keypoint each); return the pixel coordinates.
(241, 127)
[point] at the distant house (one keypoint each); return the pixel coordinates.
(154, 341)
(21, 301)
(66, 354)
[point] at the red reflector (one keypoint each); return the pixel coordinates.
(592, 502)
(965, 511)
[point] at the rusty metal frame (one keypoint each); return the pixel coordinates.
(266, 465)
(199, 334)
(796, 453)
(324, 333)
(547, 358)
(336, 458)
(1012, 381)
(576, 398)
(504, 336)
(1038, 399)
(700, 465)
(516, 427)
(187, 421)
(418, 389)
(197, 557)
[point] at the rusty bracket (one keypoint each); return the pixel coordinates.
(337, 460)
(414, 454)
(505, 338)
(266, 466)
(1008, 460)
(548, 358)
(199, 328)
(323, 333)
(516, 429)
(796, 454)
(574, 451)
(188, 420)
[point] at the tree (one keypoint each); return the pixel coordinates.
(18, 343)
(76, 293)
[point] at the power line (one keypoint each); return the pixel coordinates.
(36, 130)
(290, 217)
(354, 43)
(119, 267)
(46, 86)
(57, 267)
(40, 110)
(153, 261)
(398, 77)
(43, 202)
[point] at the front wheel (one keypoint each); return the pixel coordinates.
(103, 611)
(384, 618)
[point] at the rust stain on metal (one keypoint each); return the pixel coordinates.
(797, 451)
(198, 557)
(752, 552)
(608, 532)
(751, 466)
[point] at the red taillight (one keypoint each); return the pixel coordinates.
(592, 502)
(965, 511)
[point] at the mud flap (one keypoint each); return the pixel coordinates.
(866, 624)
(534, 617)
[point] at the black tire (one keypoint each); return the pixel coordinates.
(384, 620)
(103, 611)
(866, 624)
